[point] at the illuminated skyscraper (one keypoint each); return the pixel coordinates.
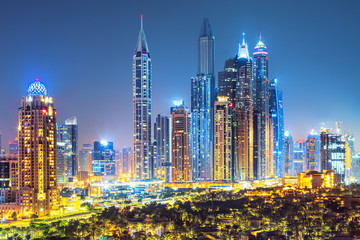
(162, 162)
(277, 116)
(13, 147)
(103, 158)
(288, 150)
(38, 193)
(227, 80)
(61, 162)
(262, 136)
(298, 163)
(312, 154)
(181, 144)
(223, 140)
(333, 153)
(9, 174)
(243, 159)
(83, 157)
(142, 81)
(68, 134)
(123, 168)
(202, 110)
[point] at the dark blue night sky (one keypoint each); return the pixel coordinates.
(82, 50)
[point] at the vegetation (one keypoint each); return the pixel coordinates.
(294, 214)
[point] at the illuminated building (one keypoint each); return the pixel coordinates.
(312, 154)
(124, 162)
(243, 158)
(162, 162)
(314, 179)
(202, 107)
(298, 162)
(277, 116)
(142, 81)
(333, 153)
(13, 147)
(223, 136)
(68, 134)
(103, 158)
(9, 173)
(227, 80)
(2, 150)
(38, 193)
(355, 168)
(83, 157)
(288, 150)
(181, 144)
(61, 162)
(262, 136)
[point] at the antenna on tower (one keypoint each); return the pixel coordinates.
(338, 127)
(142, 24)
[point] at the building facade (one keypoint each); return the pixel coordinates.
(38, 194)
(162, 160)
(142, 83)
(312, 152)
(68, 134)
(83, 157)
(288, 154)
(223, 139)
(181, 164)
(103, 158)
(262, 134)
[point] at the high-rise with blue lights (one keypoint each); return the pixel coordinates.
(162, 162)
(103, 158)
(263, 165)
(277, 116)
(202, 107)
(68, 134)
(298, 162)
(243, 157)
(288, 154)
(142, 81)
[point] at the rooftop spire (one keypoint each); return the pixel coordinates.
(243, 50)
(141, 45)
(206, 29)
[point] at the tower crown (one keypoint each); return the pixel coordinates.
(141, 45)
(243, 52)
(37, 88)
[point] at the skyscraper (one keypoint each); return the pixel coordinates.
(103, 158)
(38, 193)
(227, 80)
(124, 162)
(83, 157)
(262, 136)
(243, 159)
(142, 81)
(202, 102)
(61, 162)
(312, 154)
(298, 163)
(181, 144)
(288, 152)
(162, 162)
(333, 153)
(277, 116)
(223, 140)
(68, 134)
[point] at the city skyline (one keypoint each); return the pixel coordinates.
(117, 126)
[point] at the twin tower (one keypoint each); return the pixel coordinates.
(228, 133)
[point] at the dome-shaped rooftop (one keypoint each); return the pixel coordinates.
(37, 88)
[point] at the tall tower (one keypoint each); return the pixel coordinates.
(262, 136)
(312, 154)
(68, 134)
(180, 144)
(142, 108)
(243, 161)
(277, 116)
(202, 106)
(162, 163)
(288, 154)
(223, 137)
(38, 192)
(103, 158)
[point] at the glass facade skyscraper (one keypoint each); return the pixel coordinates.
(262, 136)
(202, 107)
(142, 81)
(103, 158)
(162, 161)
(288, 154)
(312, 154)
(277, 116)
(68, 134)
